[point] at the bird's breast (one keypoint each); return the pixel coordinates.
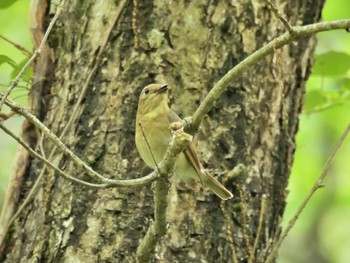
(155, 128)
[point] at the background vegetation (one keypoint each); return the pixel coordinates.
(14, 25)
(322, 234)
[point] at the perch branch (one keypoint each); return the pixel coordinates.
(191, 124)
(318, 184)
(37, 52)
(64, 149)
(73, 117)
(49, 164)
(34, 154)
(157, 229)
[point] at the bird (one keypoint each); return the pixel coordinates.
(153, 119)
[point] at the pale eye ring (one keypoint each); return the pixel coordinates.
(146, 91)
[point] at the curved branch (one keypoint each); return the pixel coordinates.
(192, 123)
(317, 185)
(37, 52)
(36, 155)
(65, 150)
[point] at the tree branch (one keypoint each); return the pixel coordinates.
(19, 47)
(34, 154)
(258, 232)
(280, 16)
(158, 228)
(191, 124)
(73, 116)
(37, 52)
(65, 150)
(318, 184)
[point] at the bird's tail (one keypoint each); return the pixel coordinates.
(214, 185)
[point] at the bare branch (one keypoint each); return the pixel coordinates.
(258, 232)
(136, 182)
(245, 224)
(318, 184)
(19, 47)
(158, 228)
(65, 150)
(134, 23)
(229, 231)
(42, 158)
(37, 52)
(35, 187)
(6, 116)
(280, 16)
(47, 162)
(191, 124)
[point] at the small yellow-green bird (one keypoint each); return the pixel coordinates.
(155, 117)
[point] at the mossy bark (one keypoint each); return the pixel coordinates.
(247, 139)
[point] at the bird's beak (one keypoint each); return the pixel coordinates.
(163, 88)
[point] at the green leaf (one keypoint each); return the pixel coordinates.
(6, 3)
(6, 59)
(314, 99)
(345, 85)
(332, 64)
(27, 73)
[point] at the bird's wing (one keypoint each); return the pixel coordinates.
(190, 151)
(192, 156)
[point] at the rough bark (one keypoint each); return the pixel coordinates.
(189, 45)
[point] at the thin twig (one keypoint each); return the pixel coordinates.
(318, 184)
(65, 150)
(73, 116)
(229, 231)
(6, 116)
(36, 185)
(325, 107)
(134, 24)
(191, 124)
(4, 97)
(244, 222)
(280, 16)
(19, 47)
(34, 154)
(37, 52)
(261, 221)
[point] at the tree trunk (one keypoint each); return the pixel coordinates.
(114, 49)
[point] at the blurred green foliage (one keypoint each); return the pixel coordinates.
(7, 3)
(322, 232)
(14, 26)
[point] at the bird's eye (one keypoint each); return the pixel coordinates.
(146, 91)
